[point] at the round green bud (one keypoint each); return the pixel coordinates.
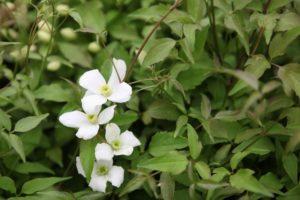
(94, 47)
(53, 65)
(62, 9)
(44, 36)
(68, 33)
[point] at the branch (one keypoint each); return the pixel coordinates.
(134, 59)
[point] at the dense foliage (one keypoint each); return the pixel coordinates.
(215, 98)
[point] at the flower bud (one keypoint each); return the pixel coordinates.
(94, 47)
(53, 65)
(10, 5)
(44, 36)
(45, 26)
(62, 9)
(68, 33)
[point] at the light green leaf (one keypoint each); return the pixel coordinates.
(290, 76)
(172, 162)
(195, 145)
(167, 186)
(164, 142)
(288, 21)
(280, 42)
(5, 120)
(234, 22)
(256, 65)
(17, 144)
(75, 54)
(159, 50)
(55, 155)
(196, 8)
(28, 123)
(205, 107)
(290, 164)
(39, 184)
(222, 153)
(203, 170)
(32, 167)
(180, 124)
(134, 184)
(244, 179)
(162, 109)
(7, 184)
(54, 92)
(76, 16)
(87, 156)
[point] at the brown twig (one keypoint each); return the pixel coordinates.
(133, 61)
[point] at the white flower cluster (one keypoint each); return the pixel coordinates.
(88, 123)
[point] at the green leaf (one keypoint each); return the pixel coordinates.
(134, 184)
(196, 8)
(29, 123)
(244, 179)
(195, 145)
(92, 16)
(164, 142)
(75, 54)
(205, 107)
(180, 124)
(54, 92)
(280, 42)
(222, 153)
(271, 182)
(32, 167)
(290, 165)
(167, 186)
(5, 120)
(39, 184)
(17, 144)
(76, 16)
(256, 65)
(237, 158)
(162, 109)
(7, 184)
(203, 170)
(55, 155)
(159, 51)
(234, 22)
(290, 76)
(275, 4)
(288, 21)
(126, 118)
(87, 156)
(172, 162)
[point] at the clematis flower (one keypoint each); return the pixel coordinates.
(114, 90)
(117, 144)
(88, 122)
(103, 172)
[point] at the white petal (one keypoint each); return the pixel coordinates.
(112, 132)
(106, 115)
(121, 93)
(104, 151)
(107, 163)
(98, 183)
(116, 176)
(91, 104)
(79, 166)
(118, 72)
(88, 131)
(125, 150)
(73, 119)
(92, 80)
(129, 139)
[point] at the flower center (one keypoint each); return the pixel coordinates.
(102, 170)
(105, 90)
(116, 144)
(92, 118)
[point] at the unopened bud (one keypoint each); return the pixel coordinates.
(44, 36)
(53, 65)
(62, 9)
(10, 5)
(45, 26)
(94, 47)
(68, 33)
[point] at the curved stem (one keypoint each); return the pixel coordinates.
(133, 61)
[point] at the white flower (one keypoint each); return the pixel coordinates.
(114, 90)
(103, 172)
(117, 144)
(88, 121)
